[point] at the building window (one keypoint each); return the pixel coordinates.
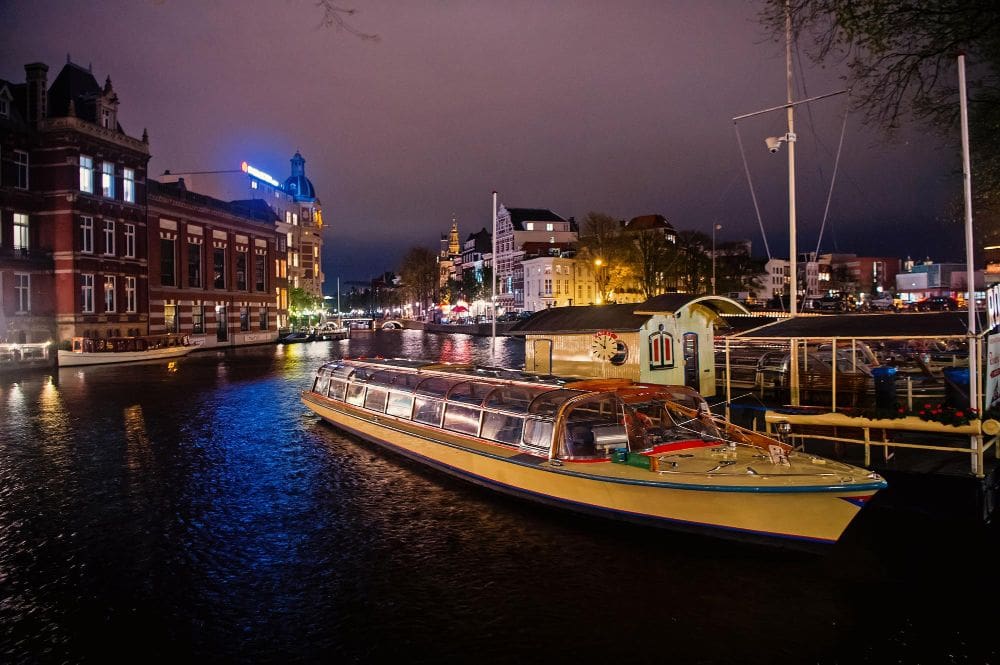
(170, 318)
(130, 241)
(241, 271)
(108, 180)
(109, 237)
(20, 169)
(21, 233)
(194, 264)
(22, 292)
(549, 227)
(130, 304)
(198, 319)
(86, 174)
(260, 273)
(87, 235)
(282, 243)
(4, 107)
(219, 267)
(263, 318)
(109, 293)
(167, 277)
(87, 293)
(244, 319)
(128, 185)
(661, 350)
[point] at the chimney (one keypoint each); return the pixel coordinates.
(37, 78)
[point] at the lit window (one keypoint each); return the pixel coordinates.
(4, 107)
(109, 237)
(87, 235)
(130, 241)
(128, 185)
(549, 227)
(87, 293)
(130, 303)
(22, 292)
(20, 169)
(86, 174)
(108, 180)
(109, 293)
(21, 232)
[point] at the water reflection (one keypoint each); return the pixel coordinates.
(198, 513)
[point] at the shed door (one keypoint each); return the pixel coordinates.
(691, 369)
(541, 354)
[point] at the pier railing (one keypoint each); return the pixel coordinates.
(972, 440)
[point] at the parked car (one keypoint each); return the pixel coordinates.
(839, 303)
(883, 304)
(936, 304)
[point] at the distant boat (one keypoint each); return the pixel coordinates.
(295, 337)
(106, 350)
(636, 452)
(331, 330)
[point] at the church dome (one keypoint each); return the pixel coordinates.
(298, 185)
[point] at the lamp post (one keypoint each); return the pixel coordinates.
(715, 227)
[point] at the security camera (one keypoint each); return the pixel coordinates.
(773, 143)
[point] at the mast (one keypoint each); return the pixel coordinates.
(790, 140)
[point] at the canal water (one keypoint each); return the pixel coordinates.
(196, 512)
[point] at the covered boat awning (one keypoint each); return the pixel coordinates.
(864, 326)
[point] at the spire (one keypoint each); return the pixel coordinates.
(107, 85)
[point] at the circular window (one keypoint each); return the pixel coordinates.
(621, 353)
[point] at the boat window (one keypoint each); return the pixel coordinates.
(375, 399)
(470, 392)
(428, 411)
(698, 425)
(463, 419)
(538, 434)
(321, 383)
(383, 378)
(502, 427)
(547, 403)
(436, 385)
(400, 404)
(363, 373)
(337, 388)
(342, 371)
(356, 394)
(594, 426)
(513, 398)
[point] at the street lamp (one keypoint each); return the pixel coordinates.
(715, 227)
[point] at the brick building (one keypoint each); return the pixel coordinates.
(72, 223)
(212, 267)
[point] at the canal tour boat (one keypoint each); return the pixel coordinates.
(105, 350)
(638, 452)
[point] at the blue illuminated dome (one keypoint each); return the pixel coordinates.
(298, 184)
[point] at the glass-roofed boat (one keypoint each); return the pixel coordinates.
(638, 452)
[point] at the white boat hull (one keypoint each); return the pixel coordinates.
(80, 358)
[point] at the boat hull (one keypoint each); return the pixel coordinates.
(82, 358)
(814, 517)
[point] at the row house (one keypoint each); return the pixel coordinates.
(554, 278)
(515, 227)
(212, 267)
(72, 223)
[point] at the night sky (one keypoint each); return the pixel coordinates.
(618, 107)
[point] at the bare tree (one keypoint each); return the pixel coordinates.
(335, 16)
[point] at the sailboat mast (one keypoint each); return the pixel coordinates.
(790, 140)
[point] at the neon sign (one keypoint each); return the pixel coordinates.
(260, 175)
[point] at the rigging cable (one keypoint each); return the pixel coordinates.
(753, 195)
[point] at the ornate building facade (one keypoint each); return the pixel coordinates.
(72, 219)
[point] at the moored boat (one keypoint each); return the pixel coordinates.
(638, 452)
(105, 350)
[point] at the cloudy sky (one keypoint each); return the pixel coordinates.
(622, 107)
